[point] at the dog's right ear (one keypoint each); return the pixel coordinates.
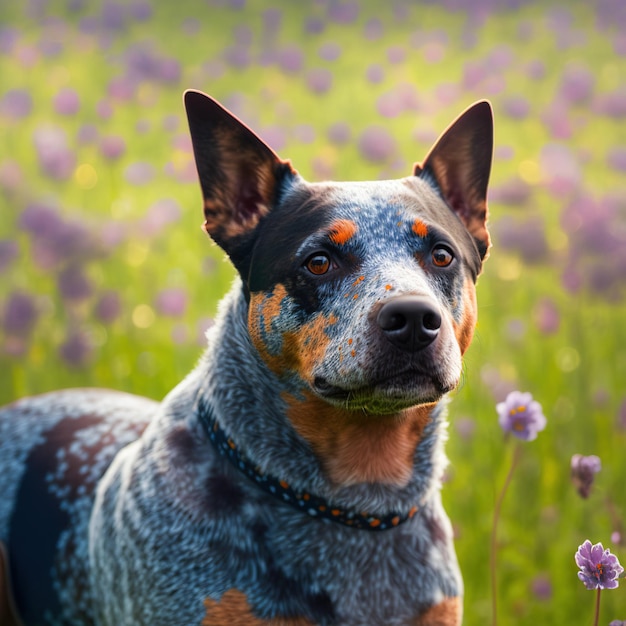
(240, 175)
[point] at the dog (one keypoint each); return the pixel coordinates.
(294, 477)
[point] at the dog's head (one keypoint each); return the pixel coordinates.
(361, 294)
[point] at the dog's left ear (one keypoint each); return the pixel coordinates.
(240, 175)
(459, 164)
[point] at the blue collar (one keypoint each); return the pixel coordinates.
(303, 501)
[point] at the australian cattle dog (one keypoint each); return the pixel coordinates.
(293, 478)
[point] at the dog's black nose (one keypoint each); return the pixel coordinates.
(410, 322)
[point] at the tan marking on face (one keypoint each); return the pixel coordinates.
(266, 308)
(464, 330)
(419, 228)
(341, 231)
(357, 448)
(449, 612)
(301, 349)
(233, 610)
(305, 348)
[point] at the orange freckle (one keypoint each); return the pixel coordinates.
(355, 296)
(284, 484)
(336, 512)
(231, 444)
(360, 279)
(419, 228)
(412, 512)
(322, 508)
(388, 287)
(374, 523)
(399, 224)
(395, 521)
(341, 231)
(353, 352)
(350, 341)
(306, 497)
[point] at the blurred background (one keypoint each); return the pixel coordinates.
(106, 278)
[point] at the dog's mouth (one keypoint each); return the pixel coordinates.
(385, 395)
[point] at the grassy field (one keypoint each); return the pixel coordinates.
(107, 280)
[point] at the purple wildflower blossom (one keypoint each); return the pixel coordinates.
(108, 307)
(541, 587)
(172, 302)
(67, 102)
(112, 147)
(617, 622)
(375, 73)
(376, 144)
(20, 314)
(56, 159)
(16, 103)
(319, 80)
(599, 569)
(8, 252)
(76, 350)
(521, 416)
(583, 470)
(339, 133)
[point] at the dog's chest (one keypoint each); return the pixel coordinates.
(257, 554)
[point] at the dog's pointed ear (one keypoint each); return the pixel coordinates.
(459, 164)
(240, 175)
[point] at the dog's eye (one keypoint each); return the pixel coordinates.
(318, 264)
(442, 257)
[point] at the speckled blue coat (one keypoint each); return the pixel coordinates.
(293, 478)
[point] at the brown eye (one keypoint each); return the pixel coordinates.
(442, 257)
(318, 264)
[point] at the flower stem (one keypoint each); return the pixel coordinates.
(596, 619)
(494, 536)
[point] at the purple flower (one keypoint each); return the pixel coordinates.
(617, 622)
(583, 470)
(319, 80)
(516, 107)
(16, 103)
(139, 173)
(76, 349)
(67, 102)
(73, 285)
(8, 252)
(343, 12)
(112, 147)
(599, 569)
(521, 416)
(339, 133)
(330, 51)
(108, 307)
(291, 58)
(376, 144)
(20, 314)
(616, 158)
(161, 214)
(542, 587)
(375, 73)
(547, 316)
(56, 159)
(172, 302)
